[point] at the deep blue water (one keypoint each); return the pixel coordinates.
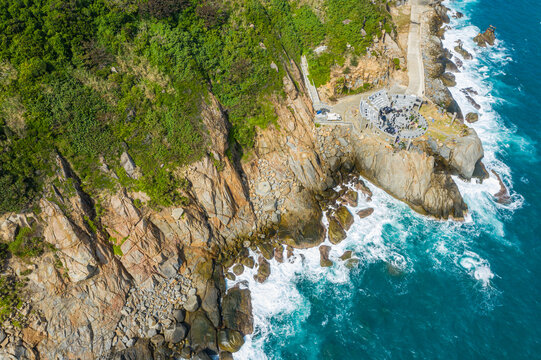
(462, 290)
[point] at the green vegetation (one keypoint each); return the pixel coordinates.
(91, 78)
(25, 244)
(9, 288)
(396, 62)
(350, 27)
(9, 296)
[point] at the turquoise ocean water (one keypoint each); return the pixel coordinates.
(426, 289)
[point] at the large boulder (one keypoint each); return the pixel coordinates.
(263, 271)
(175, 334)
(301, 227)
(237, 310)
(192, 303)
(466, 151)
(336, 232)
(210, 303)
(230, 340)
(344, 217)
(202, 333)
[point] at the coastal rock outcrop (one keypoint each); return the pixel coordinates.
(486, 38)
(436, 60)
(411, 176)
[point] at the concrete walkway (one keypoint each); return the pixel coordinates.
(312, 91)
(415, 61)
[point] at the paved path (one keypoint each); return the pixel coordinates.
(415, 61)
(312, 91)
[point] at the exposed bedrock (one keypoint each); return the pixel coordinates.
(411, 177)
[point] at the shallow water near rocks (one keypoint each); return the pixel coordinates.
(425, 288)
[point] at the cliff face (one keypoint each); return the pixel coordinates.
(120, 271)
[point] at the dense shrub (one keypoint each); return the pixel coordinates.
(25, 244)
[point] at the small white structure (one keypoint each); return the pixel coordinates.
(334, 117)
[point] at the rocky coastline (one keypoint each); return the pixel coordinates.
(125, 281)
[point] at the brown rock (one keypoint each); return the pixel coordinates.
(472, 117)
(289, 250)
(336, 233)
(267, 251)
(502, 196)
(346, 255)
(248, 262)
(351, 198)
(279, 253)
(361, 186)
(224, 355)
(230, 276)
(344, 217)
(237, 310)
(263, 271)
(230, 340)
(365, 212)
(238, 269)
(324, 256)
(202, 333)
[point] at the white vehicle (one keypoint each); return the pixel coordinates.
(334, 117)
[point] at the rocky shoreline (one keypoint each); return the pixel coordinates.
(125, 281)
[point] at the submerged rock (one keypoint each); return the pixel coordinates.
(346, 255)
(351, 263)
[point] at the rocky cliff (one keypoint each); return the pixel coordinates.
(121, 279)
